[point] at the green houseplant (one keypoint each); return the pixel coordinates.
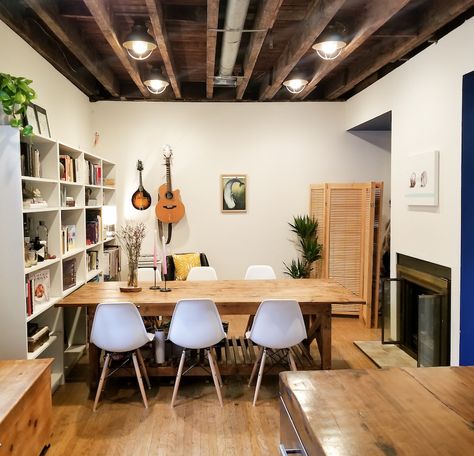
(306, 229)
(15, 95)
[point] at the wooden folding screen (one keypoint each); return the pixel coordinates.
(349, 217)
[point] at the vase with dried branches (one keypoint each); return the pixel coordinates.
(131, 237)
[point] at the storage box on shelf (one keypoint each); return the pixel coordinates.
(51, 183)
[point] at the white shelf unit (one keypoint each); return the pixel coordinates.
(68, 329)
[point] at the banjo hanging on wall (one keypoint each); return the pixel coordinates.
(141, 199)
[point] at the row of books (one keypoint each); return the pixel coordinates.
(68, 238)
(94, 173)
(30, 160)
(69, 273)
(111, 262)
(37, 289)
(92, 260)
(93, 229)
(69, 168)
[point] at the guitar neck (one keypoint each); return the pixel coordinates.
(168, 174)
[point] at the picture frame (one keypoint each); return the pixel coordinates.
(31, 119)
(43, 123)
(421, 179)
(233, 193)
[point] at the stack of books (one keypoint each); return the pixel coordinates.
(93, 228)
(30, 161)
(37, 289)
(94, 173)
(69, 273)
(69, 168)
(111, 262)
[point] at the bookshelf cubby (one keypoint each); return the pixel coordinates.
(42, 198)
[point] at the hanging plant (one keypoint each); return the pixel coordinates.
(306, 229)
(15, 95)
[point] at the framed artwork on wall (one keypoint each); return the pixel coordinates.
(233, 193)
(31, 119)
(421, 179)
(42, 121)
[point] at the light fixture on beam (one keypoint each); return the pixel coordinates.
(139, 43)
(155, 82)
(295, 84)
(331, 42)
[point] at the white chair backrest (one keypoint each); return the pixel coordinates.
(118, 327)
(202, 273)
(260, 272)
(196, 324)
(278, 324)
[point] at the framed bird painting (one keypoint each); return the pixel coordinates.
(233, 193)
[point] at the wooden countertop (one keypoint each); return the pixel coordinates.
(425, 411)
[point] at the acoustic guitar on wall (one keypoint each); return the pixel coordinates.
(169, 208)
(141, 199)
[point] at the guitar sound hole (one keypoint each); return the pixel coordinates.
(169, 195)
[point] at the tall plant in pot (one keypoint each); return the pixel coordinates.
(306, 229)
(15, 95)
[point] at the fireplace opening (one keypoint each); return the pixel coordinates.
(416, 310)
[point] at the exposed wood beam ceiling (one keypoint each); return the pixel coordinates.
(83, 40)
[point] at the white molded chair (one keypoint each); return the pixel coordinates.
(278, 325)
(196, 324)
(118, 328)
(260, 272)
(202, 273)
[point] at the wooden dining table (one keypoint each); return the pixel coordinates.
(232, 297)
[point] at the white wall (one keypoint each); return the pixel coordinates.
(425, 98)
(282, 148)
(67, 107)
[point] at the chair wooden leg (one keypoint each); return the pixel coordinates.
(292, 360)
(143, 367)
(260, 375)
(178, 378)
(139, 378)
(218, 372)
(214, 376)
(101, 381)
(254, 370)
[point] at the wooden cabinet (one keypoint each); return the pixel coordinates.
(25, 406)
(349, 218)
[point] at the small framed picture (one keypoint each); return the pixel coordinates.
(30, 118)
(42, 121)
(233, 193)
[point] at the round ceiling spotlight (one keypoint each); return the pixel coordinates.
(156, 83)
(295, 85)
(331, 42)
(139, 43)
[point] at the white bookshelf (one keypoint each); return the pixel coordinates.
(67, 341)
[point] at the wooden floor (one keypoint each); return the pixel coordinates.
(197, 425)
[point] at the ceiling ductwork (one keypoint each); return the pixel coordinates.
(235, 16)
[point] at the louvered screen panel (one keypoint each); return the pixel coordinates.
(377, 248)
(344, 235)
(316, 210)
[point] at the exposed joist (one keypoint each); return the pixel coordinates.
(71, 38)
(105, 22)
(11, 13)
(376, 15)
(265, 19)
(317, 18)
(212, 23)
(155, 10)
(438, 14)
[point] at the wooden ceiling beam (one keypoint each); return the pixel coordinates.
(72, 39)
(12, 14)
(105, 21)
(212, 23)
(435, 16)
(376, 15)
(266, 16)
(318, 16)
(155, 10)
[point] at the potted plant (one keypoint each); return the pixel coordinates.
(306, 229)
(15, 95)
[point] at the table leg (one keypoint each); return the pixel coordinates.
(319, 328)
(94, 354)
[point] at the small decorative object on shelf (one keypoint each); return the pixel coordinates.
(131, 237)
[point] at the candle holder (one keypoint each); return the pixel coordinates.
(155, 286)
(165, 288)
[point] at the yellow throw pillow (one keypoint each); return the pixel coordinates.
(183, 263)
